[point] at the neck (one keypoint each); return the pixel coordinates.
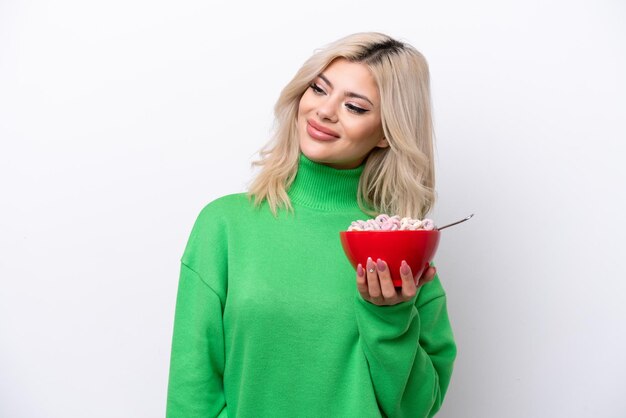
(325, 188)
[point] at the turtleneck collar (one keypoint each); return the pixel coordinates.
(319, 186)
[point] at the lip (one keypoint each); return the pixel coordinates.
(319, 132)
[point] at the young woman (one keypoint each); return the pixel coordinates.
(270, 318)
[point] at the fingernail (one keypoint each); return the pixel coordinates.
(359, 270)
(380, 265)
(404, 268)
(370, 263)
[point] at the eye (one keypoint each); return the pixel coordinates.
(317, 89)
(356, 109)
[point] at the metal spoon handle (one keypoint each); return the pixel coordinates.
(455, 223)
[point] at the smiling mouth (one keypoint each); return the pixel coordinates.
(319, 132)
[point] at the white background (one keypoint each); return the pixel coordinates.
(120, 120)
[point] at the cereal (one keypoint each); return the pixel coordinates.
(384, 222)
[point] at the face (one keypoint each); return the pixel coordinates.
(339, 116)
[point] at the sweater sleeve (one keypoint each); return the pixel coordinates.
(195, 387)
(410, 350)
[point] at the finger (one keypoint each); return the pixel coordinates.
(427, 276)
(408, 282)
(386, 285)
(373, 286)
(361, 281)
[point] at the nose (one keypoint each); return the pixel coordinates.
(327, 111)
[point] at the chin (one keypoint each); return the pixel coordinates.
(313, 153)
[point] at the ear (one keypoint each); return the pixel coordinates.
(383, 143)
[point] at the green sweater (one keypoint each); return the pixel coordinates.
(269, 322)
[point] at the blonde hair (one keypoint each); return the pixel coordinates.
(397, 180)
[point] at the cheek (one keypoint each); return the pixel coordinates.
(305, 103)
(365, 132)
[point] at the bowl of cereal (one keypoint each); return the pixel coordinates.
(392, 239)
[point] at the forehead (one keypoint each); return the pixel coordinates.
(351, 77)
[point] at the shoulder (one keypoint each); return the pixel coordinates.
(212, 219)
(226, 214)
(210, 229)
(223, 208)
(226, 204)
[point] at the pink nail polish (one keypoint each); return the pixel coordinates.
(404, 268)
(359, 270)
(380, 265)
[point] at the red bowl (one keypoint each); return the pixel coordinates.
(417, 248)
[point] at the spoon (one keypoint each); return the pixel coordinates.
(454, 223)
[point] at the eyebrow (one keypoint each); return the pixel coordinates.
(348, 93)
